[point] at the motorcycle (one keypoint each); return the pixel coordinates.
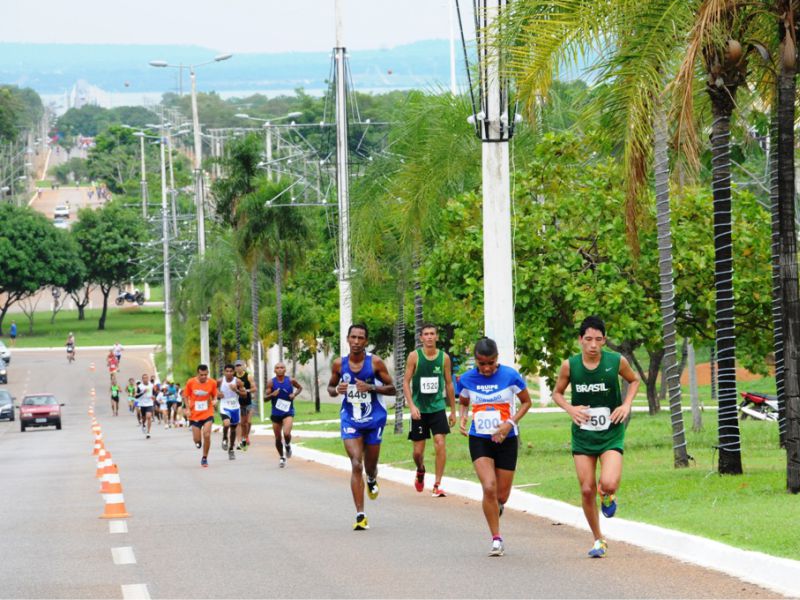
(763, 407)
(123, 297)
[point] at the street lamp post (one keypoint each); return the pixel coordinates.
(199, 187)
(165, 248)
(143, 182)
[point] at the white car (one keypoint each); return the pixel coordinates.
(61, 212)
(5, 353)
(61, 223)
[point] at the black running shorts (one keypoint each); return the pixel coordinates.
(504, 454)
(427, 424)
(199, 424)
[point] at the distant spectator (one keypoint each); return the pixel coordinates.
(13, 332)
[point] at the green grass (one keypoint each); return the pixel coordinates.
(124, 325)
(304, 411)
(751, 511)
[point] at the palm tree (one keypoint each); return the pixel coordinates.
(546, 34)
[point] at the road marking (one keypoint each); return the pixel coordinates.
(135, 591)
(123, 555)
(117, 527)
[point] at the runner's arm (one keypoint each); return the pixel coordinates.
(334, 383)
(524, 404)
(382, 375)
(578, 414)
(464, 410)
(448, 386)
(621, 412)
(296, 384)
(411, 367)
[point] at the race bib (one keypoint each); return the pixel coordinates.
(356, 397)
(201, 405)
(283, 405)
(487, 422)
(599, 419)
(429, 385)
(230, 403)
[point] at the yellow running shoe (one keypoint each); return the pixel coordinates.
(361, 522)
(599, 550)
(372, 489)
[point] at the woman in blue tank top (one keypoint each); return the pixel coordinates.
(282, 391)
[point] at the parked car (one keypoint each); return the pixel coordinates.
(6, 405)
(3, 372)
(5, 353)
(39, 410)
(61, 212)
(61, 223)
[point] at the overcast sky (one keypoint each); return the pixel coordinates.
(227, 25)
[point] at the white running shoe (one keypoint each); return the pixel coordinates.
(498, 549)
(282, 464)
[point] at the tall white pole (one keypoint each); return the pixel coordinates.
(205, 355)
(498, 296)
(453, 87)
(143, 182)
(345, 292)
(172, 191)
(268, 143)
(165, 249)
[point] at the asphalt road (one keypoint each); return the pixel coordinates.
(246, 528)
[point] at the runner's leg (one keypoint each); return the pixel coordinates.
(277, 432)
(610, 472)
(440, 447)
(372, 453)
(355, 451)
(585, 467)
(419, 454)
(206, 438)
(505, 480)
(484, 468)
(287, 430)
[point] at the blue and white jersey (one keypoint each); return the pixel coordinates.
(361, 408)
(282, 404)
(493, 398)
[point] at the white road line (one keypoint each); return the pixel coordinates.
(117, 527)
(135, 591)
(123, 555)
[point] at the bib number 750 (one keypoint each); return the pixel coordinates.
(599, 419)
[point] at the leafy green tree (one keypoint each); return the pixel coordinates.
(33, 254)
(20, 109)
(109, 241)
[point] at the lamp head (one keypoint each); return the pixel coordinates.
(221, 57)
(158, 63)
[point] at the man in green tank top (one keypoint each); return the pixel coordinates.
(598, 421)
(427, 379)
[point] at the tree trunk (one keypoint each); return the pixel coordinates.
(399, 361)
(712, 372)
(651, 381)
(254, 318)
(730, 452)
(697, 417)
(418, 312)
(671, 380)
(105, 291)
(790, 305)
(777, 293)
(317, 407)
(279, 306)
(220, 354)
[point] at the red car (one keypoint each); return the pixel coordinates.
(39, 410)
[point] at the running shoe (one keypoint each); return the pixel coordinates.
(144, 429)
(361, 522)
(609, 505)
(224, 443)
(599, 550)
(282, 463)
(198, 445)
(239, 446)
(498, 549)
(147, 436)
(245, 445)
(501, 507)
(437, 491)
(419, 480)
(288, 450)
(231, 454)
(372, 489)
(204, 462)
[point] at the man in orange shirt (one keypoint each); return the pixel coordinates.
(201, 395)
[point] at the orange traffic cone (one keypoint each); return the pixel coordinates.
(98, 445)
(92, 393)
(91, 366)
(115, 507)
(101, 462)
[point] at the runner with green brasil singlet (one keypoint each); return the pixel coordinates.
(426, 381)
(115, 392)
(598, 421)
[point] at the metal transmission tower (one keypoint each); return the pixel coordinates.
(494, 118)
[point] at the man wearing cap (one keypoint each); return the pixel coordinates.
(245, 404)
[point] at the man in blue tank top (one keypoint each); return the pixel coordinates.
(358, 379)
(282, 391)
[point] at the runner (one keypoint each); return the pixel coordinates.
(117, 349)
(111, 362)
(70, 347)
(230, 389)
(161, 401)
(282, 391)
(363, 416)
(115, 392)
(131, 391)
(144, 395)
(427, 379)
(492, 389)
(245, 405)
(12, 332)
(172, 403)
(598, 416)
(201, 397)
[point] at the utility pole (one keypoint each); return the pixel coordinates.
(495, 130)
(345, 292)
(199, 195)
(453, 87)
(172, 191)
(165, 248)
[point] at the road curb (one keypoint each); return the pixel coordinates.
(774, 573)
(61, 348)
